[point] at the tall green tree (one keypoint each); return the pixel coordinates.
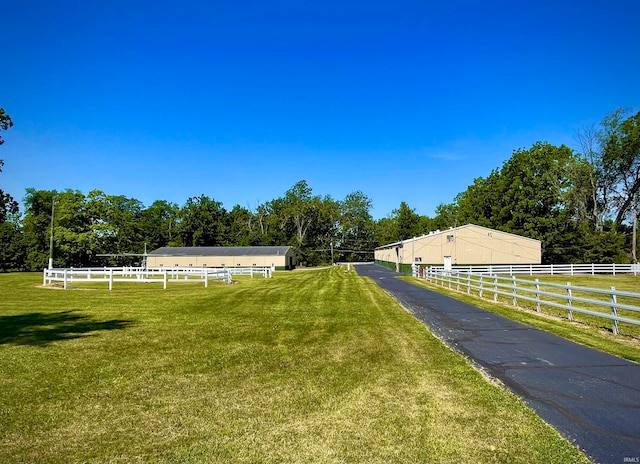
(7, 204)
(612, 150)
(446, 216)
(240, 227)
(203, 222)
(481, 202)
(299, 204)
(158, 224)
(356, 229)
(37, 227)
(622, 158)
(5, 123)
(408, 221)
(593, 182)
(386, 230)
(533, 185)
(75, 243)
(12, 247)
(115, 222)
(323, 231)
(533, 194)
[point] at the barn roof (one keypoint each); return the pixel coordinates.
(221, 251)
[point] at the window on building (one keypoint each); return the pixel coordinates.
(450, 238)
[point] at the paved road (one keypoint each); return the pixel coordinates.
(591, 398)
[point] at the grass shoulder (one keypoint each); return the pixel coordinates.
(593, 336)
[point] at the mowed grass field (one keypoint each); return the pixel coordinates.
(318, 366)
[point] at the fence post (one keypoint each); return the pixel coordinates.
(571, 267)
(537, 295)
(206, 277)
(614, 268)
(110, 279)
(469, 283)
(495, 288)
(164, 279)
(570, 301)
(515, 291)
(64, 279)
(458, 281)
(614, 310)
(481, 286)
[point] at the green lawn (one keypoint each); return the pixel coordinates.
(588, 330)
(318, 366)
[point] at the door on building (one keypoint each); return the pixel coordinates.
(447, 264)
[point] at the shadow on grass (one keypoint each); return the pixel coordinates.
(41, 329)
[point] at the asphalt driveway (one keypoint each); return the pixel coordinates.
(591, 398)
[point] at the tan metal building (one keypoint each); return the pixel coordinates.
(279, 257)
(464, 245)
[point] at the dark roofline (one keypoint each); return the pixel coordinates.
(222, 251)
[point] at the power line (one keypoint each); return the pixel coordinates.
(344, 251)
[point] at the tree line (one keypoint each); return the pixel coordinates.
(580, 204)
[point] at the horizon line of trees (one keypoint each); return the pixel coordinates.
(581, 205)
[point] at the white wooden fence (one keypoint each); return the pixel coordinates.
(145, 275)
(568, 297)
(548, 269)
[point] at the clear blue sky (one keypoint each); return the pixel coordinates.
(238, 100)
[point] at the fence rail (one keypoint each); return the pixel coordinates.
(572, 299)
(550, 269)
(145, 275)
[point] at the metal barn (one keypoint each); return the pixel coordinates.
(465, 245)
(279, 257)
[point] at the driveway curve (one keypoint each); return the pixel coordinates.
(591, 398)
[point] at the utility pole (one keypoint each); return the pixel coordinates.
(635, 226)
(53, 210)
